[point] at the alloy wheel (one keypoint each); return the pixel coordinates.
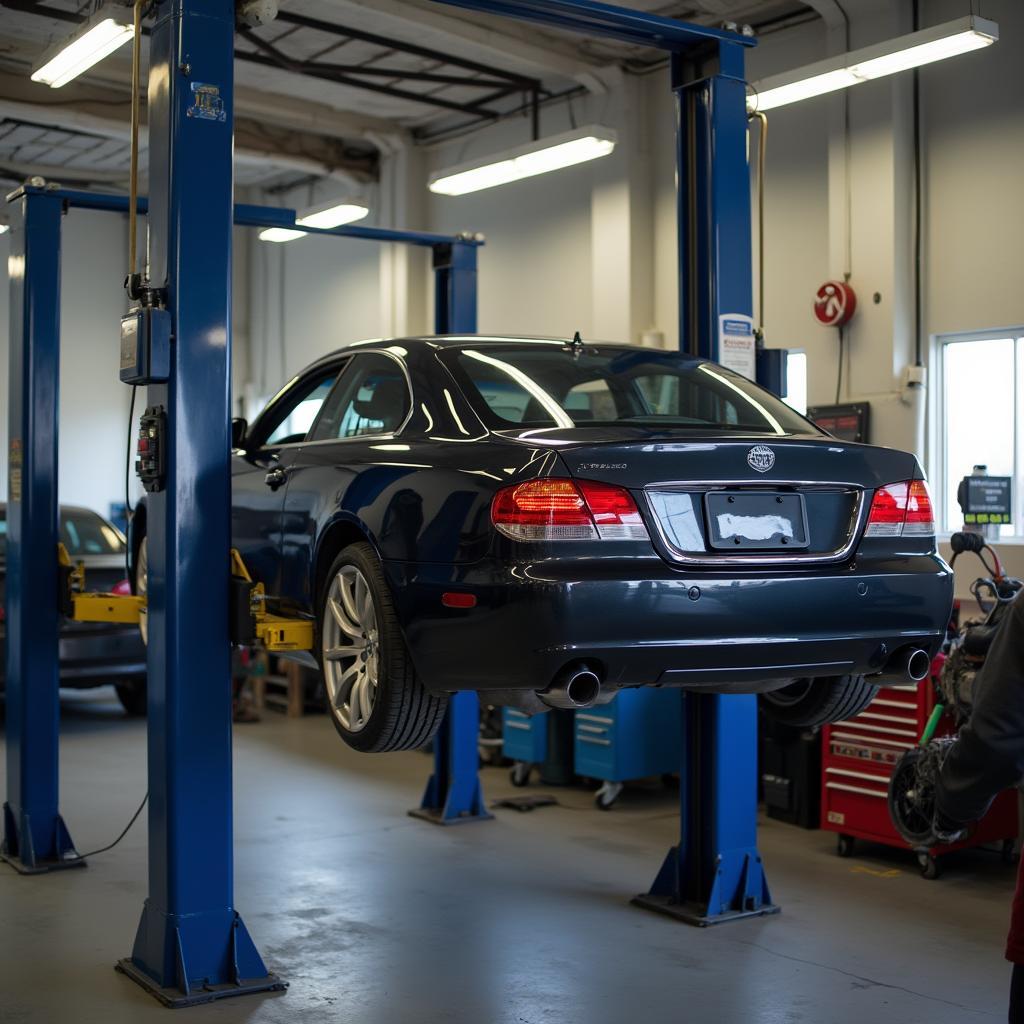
(350, 645)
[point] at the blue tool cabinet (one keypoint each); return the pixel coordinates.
(524, 739)
(634, 736)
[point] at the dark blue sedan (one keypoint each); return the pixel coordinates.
(548, 522)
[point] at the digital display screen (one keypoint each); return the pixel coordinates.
(986, 499)
(846, 422)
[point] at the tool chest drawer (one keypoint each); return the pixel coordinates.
(636, 735)
(524, 737)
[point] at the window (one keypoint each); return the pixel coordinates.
(542, 384)
(796, 380)
(979, 388)
(371, 398)
(299, 419)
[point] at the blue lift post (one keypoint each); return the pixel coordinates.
(453, 794)
(715, 874)
(35, 838)
(192, 945)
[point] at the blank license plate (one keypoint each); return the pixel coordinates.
(763, 520)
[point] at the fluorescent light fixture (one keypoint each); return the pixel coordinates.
(4, 228)
(280, 234)
(109, 28)
(912, 51)
(331, 214)
(550, 154)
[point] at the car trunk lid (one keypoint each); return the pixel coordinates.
(735, 499)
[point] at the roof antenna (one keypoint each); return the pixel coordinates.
(577, 345)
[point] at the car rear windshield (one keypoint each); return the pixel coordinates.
(546, 385)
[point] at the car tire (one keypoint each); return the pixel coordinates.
(808, 703)
(373, 695)
(132, 696)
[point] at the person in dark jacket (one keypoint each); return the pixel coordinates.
(988, 757)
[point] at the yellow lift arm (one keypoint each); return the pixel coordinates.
(274, 632)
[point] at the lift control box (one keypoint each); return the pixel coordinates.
(146, 346)
(151, 457)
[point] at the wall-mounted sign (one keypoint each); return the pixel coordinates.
(834, 304)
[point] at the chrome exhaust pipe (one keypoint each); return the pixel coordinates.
(577, 686)
(907, 665)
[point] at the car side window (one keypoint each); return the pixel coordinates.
(294, 419)
(372, 397)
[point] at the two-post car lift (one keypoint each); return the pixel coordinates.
(191, 944)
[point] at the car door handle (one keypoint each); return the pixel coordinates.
(275, 478)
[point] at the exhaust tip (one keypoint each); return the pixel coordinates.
(583, 688)
(918, 665)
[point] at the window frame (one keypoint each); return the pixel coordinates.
(937, 435)
(258, 433)
(343, 373)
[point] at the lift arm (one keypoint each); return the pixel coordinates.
(250, 620)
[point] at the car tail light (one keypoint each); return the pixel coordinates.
(556, 509)
(920, 517)
(902, 509)
(123, 589)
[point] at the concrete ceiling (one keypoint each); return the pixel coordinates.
(318, 89)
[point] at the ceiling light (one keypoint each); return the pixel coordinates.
(333, 214)
(4, 228)
(280, 234)
(109, 28)
(550, 154)
(911, 51)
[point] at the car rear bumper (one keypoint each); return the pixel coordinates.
(659, 626)
(93, 655)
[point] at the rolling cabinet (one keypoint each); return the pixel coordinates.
(633, 737)
(857, 760)
(524, 739)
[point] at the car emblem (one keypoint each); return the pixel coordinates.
(761, 458)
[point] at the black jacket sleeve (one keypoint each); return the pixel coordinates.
(989, 753)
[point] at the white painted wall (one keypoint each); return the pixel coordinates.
(307, 297)
(93, 401)
(535, 270)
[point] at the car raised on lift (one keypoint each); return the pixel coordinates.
(548, 522)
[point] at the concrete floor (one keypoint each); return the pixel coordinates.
(377, 918)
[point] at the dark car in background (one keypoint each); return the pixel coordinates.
(548, 522)
(91, 654)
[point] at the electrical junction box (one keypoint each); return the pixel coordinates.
(146, 346)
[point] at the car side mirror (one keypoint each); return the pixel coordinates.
(238, 428)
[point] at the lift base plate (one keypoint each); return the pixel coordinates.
(696, 915)
(43, 866)
(174, 997)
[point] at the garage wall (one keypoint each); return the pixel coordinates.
(93, 401)
(308, 296)
(535, 270)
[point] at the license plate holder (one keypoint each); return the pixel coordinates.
(756, 520)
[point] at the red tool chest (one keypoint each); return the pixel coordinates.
(857, 759)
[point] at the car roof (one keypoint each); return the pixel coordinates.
(444, 341)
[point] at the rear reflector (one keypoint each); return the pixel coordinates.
(458, 599)
(902, 509)
(558, 509)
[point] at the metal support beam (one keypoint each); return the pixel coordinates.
(35, 837)
(191, 944)
(453, 793)
(715, 874)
